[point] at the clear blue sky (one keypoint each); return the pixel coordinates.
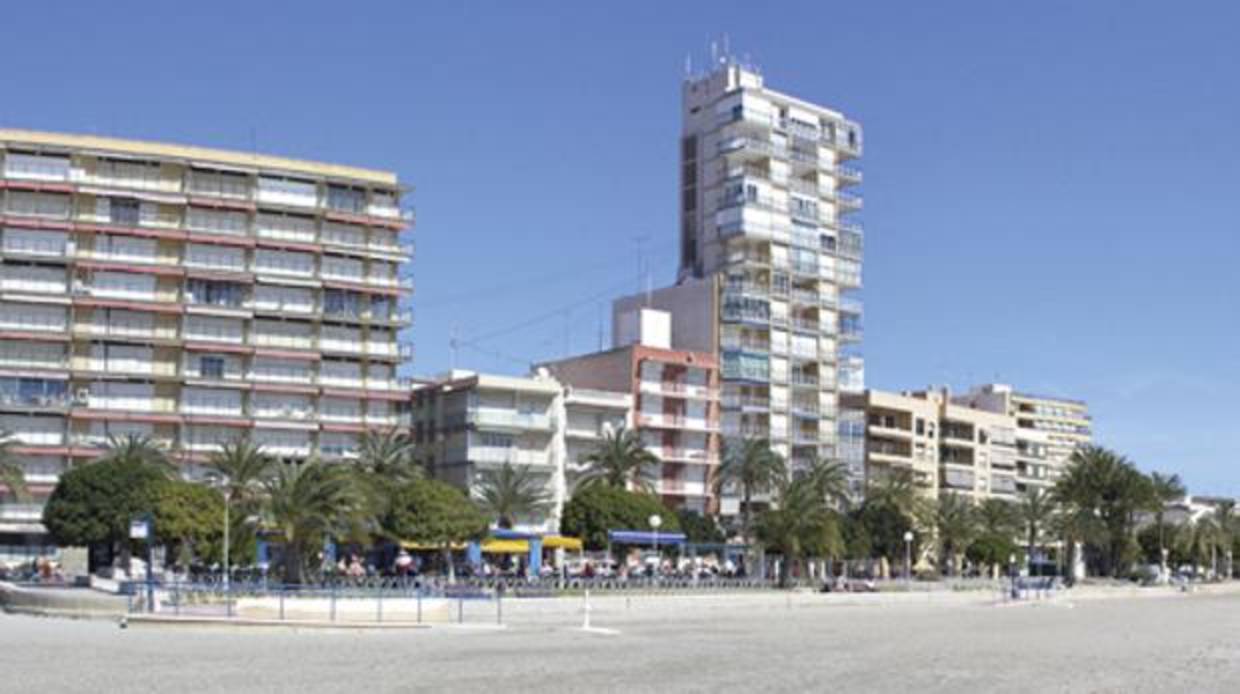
(1051, 189)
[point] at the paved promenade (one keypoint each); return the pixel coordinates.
(1161, 641)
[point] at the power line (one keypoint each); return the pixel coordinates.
(543, 278)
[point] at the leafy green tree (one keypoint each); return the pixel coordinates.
(700, 529)
(751, 466)
(829, 480)
(12, 476)
(877, 530)
(307, 503)
(435, 513)
(137, 448)
(801, 524)
(894, 489)
(621, 460)
(1104, 484)
(93, 504)
(598, 508)
(508, 493)
(189, 521)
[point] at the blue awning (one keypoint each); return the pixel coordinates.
(642, 537)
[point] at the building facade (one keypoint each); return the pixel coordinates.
(675, 396)
(944, 446)
(770, 259)
(465, 424)
(1048, 429)
(193, 296)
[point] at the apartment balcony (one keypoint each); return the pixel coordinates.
(52, 402)
(735, 314)
(676, 389)
(752, 431)
(851, 244)
(848, 175)
(751, 346)
(487, 418)
(50, 248)
(811, 325)
(809, 380)
(747, 402)
(491, 456)
(848, 202)
(21, 513)
(805, 438)
(742, 287)
(805, 408)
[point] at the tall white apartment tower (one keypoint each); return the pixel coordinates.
(768, 244)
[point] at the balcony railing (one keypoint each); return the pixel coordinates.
(483, 417)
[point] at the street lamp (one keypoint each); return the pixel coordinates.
(226, 488)
(655, 521)
(908, 559)
(1012, 573)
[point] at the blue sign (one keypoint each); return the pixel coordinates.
(642, 537)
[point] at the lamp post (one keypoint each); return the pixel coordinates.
(1165, 573)
(655, 521)
(226, 488)
(1012, 574)
(908, 559)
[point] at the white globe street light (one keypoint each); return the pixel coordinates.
(908, 558)
(655, 521)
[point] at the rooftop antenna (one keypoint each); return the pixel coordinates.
(714, 52)
(453, 344)
(727, 48)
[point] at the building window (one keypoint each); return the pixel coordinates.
(211, 367)
(124, 212)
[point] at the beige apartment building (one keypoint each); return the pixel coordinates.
(1048, 429)
(192, 295)
(944, 445)
(770, 259)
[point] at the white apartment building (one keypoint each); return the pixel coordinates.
(194, 296)
(770, 260)
(465, 423)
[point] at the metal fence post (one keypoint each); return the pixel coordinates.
(228, 605)
(176, 599)
(379, 608)
(460, 610)
(333, 602)
(419, 594)
(281, 603)
(499, 608)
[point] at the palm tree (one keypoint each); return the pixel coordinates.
(955, 522)
(389, 454)
(137, 448)
(308, 503)
(800, 524)
(751, 465)
(1164, 489)
(241, 468)
(1104, 484)
(1225, 531)
(12, 476)
(1035, 511)
(830, 479)
(507, 493)
(619, 461)
(895, 489)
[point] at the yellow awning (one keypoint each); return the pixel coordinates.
(561, 542)
(494, 546)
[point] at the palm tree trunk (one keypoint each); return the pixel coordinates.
(292, 563)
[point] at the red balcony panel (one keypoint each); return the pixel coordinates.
(346, 428)
(115, 416)
(39, 186)
(220, 239)
(33, 223)
(304, 355)
(219, 421)
(214, 347)
(138, 269)
(223, 204)
(173, 234)
(150, 306)
(283, 388)
(289, 245)
(36, 336)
